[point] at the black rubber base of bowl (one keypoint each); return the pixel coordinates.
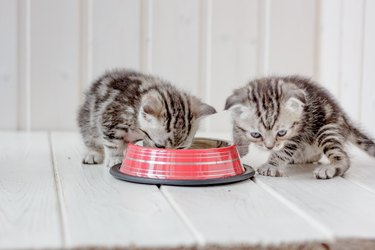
(249, 172)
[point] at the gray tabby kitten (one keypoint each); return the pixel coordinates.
(125, 106)
(298, 121)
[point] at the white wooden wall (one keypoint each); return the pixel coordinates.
(50, 51)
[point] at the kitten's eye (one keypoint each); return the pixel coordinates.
(281, 133)
(255, 135)
(159, 146)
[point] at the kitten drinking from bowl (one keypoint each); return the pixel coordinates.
(125, 106)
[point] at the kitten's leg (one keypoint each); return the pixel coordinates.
(278, 161)
(90, 136)
(95, 153)
(331, 143)
(114, 151)
(241, 140)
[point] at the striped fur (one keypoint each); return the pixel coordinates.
(125, 106)
(313, 123)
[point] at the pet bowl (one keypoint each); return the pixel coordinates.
(206, 162)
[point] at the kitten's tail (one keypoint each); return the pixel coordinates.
(361, 140)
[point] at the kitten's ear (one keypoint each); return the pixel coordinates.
(232, 100)
(240, 110)
(151, 107)
(294, 105)
(235, 104)
(295, 98)
(205, 110)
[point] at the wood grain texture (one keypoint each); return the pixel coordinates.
(330, 45)
(101, 211)
(326, 202)
(362, 171)
(29, 213)
(235, 47)
(54, 64)
(175, 42)
(368, 72)
(8, 64)
(115, 35)
(241, 213)
(351, 56)
(292, 37)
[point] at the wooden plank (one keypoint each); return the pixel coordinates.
(337, 204)
(29, 212)
(101, 211)
(8, 64)
(349, 201)
(329, 45)
(368, 73)
(295, 53)
(241, 214)
(351, 56)
(362, 171)
(54, 64)
(115, 35)
(235, 46)
(175, 42)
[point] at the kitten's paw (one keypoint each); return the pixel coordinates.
(93, 157)
(270, 170)
(109, 162)
(325, 172)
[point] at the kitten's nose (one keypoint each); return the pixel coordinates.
(269, 147)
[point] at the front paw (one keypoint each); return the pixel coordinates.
(93, 157)
(270, 170)
(111, 161)
(325, 172)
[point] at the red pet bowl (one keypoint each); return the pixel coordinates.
(207, 162)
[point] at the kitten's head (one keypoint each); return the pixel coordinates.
(169, 118)
(268, 113)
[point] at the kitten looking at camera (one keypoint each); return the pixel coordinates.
(298, 121)
(125, 106)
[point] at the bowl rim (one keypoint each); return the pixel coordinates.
(247, 174)
(230, 146)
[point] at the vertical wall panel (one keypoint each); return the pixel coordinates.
(86, 45)
(24, 67)
(51, 50)
(8, 64)
(234, 51)
(368, 87)
(175, 42)
(330, 45)
(351, 56)
(146, 35)
(292, 37)
(115, 35)
(54, 64)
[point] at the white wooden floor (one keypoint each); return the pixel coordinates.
(49, 200)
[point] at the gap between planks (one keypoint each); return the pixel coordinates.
(183, 217)
(59, 193)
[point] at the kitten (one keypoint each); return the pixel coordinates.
(298, 121)
(125, 106)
